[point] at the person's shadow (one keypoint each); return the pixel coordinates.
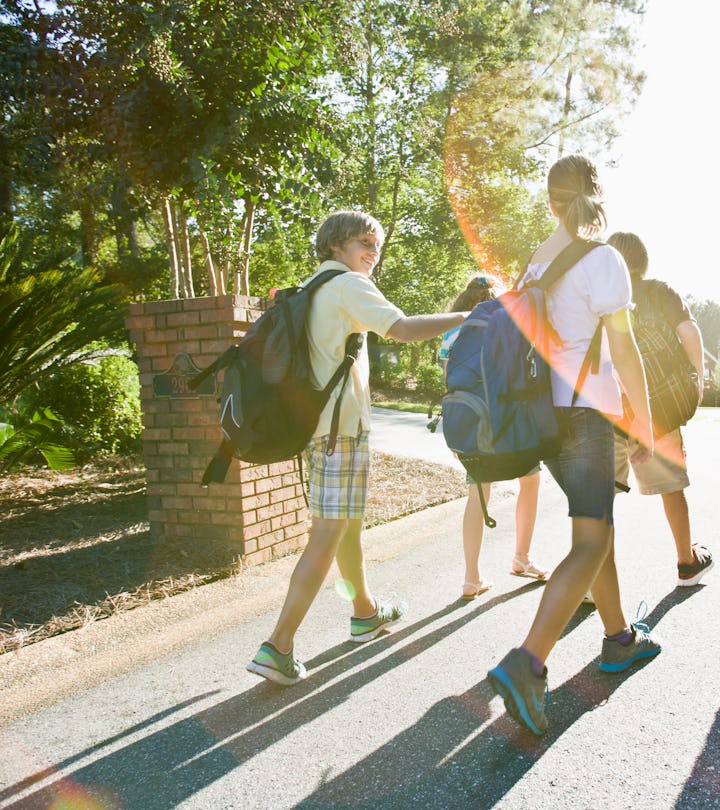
(182, 758)
(437, 762)
(702, 788)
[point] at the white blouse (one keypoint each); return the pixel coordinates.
(598, 285)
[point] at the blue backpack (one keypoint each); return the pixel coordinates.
(498, 414)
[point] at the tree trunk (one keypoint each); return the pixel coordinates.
(186, 264)
(225, 272)
(370, 123)
(172, 246)
(124, 222)
(242, 279)
(6, 207)
(215, 280)
(88, 233)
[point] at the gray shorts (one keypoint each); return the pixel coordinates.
(664, 473)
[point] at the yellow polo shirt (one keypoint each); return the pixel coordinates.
(344, 305)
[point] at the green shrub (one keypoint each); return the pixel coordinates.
(25, 438)
(429, 378)
(388, 374)
(101, 400)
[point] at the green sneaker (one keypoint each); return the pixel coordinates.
(524, 692)
(281, 668)
(387, 615)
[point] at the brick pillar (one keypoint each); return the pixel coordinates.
(259, 512)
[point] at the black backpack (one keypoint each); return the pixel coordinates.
(269, 409)
(672, 380)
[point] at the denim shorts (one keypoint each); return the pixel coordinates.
(585, 466)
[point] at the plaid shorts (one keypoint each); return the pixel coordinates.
(338, 483)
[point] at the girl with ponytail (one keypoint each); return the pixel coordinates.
(594, 294)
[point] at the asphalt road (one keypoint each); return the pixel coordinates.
(154, 709)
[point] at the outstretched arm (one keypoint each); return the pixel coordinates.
(413, 328)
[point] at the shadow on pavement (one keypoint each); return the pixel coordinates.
(449, 766)
(702, 789)
(171, 764)
(179, 760)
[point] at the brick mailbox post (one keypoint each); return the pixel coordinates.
(259, 512)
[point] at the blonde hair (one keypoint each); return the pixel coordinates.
(342, 226)
(576, 195)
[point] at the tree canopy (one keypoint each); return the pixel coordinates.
(191, 147)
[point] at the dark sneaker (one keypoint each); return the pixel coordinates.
(387, 615)
(282, 668)
(524, 692)
(617, 657)
(692, 574)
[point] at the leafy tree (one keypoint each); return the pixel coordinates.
(566, 91)
(154, 125)
(210, 130)
(32, 82)
(707, 314)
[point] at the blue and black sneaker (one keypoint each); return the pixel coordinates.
(617, 657)
(524, 692)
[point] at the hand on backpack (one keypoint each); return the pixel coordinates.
(643, 447)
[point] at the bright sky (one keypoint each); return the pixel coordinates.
(667, 184)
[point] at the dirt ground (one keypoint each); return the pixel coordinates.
(75, 546)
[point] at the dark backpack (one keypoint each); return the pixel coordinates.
(498, 413)
(269, 409)
(672, 380)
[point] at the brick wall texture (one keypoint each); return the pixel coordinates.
(259, 512)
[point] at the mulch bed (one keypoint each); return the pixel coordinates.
(75, 546)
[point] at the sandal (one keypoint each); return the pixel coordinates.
(528, 569)
(473, 589)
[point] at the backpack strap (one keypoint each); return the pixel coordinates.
(591, 362)
(352, 349)
(318, 280)
(216, 470)
(490, 522)
(564, 261)
(220, 363)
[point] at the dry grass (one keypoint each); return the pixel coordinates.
(75, 546)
